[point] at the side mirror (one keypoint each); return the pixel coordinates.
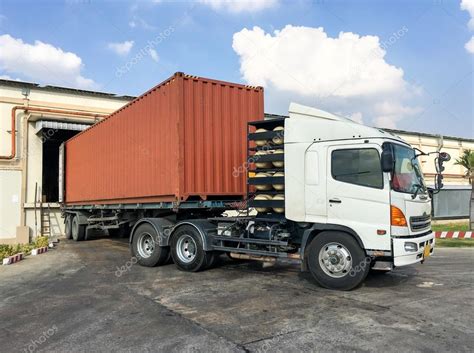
(387, 159)
(444, 156)
(439, 182)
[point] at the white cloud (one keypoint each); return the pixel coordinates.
(306, 60)
(468, 5)
(470, 45)
(154, 55)
(390, 112)
(237, 6)
(122, 48)
(138, 22)
(42, 62)
(308, 64)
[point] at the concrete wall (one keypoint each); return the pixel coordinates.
(19, 176)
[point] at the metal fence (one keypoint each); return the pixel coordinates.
(452, 202)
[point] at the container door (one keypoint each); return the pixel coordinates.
(358, 197)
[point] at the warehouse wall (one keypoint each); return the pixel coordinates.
(454, 174)
(19, 176)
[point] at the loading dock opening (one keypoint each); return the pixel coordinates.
(52, 135)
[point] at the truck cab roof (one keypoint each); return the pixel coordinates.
(308, 124)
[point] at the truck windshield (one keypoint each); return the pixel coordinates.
(407, 176)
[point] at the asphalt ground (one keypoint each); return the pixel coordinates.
(91, 297)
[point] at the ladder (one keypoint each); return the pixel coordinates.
(45, 219)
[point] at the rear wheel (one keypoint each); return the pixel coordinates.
(68, 226)
(187, 250)
(78, 231)
(145, 247)
(336, 261)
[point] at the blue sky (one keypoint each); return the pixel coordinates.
(402, 64)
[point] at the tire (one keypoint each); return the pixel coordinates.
(145, 247)
(78, 231)
(187, 250)
(336, 261)
(68, 226)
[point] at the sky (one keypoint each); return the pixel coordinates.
(396, 64)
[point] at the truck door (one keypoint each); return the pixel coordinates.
(358, 193)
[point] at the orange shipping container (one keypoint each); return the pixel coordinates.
(181, 140)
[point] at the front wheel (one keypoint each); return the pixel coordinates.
(336, 261)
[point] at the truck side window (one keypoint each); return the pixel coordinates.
(359, 166)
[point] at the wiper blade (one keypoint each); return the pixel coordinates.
(355, 173)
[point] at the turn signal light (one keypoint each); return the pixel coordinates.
(397, 218)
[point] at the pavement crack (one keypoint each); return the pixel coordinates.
(278, 335)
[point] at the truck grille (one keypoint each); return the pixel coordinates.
(420, 223)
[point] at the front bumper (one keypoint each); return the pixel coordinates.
(402, 257)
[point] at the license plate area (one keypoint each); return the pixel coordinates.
(427, 250)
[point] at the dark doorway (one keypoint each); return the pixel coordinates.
(52, 139)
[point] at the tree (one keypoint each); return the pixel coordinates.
(467, 161)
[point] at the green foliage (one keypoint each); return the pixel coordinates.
(446, 227)
(9, 250)
(454, 243)
(41, 242)
(467, 161)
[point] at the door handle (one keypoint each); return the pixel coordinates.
(335, 201)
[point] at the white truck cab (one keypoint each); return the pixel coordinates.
(339, 172)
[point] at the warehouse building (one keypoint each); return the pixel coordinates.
(35, 120)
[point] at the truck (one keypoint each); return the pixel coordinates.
(192, 170)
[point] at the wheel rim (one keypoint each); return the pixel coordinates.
(186, 248)
(145, 245)
(335, 260)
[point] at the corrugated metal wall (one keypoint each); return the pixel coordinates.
(180, 139)
(215, 141)
(452, 202)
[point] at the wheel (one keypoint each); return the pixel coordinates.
(336, 261)
(145, 247)
(78, 231)
(68, 226)
(187, 250)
